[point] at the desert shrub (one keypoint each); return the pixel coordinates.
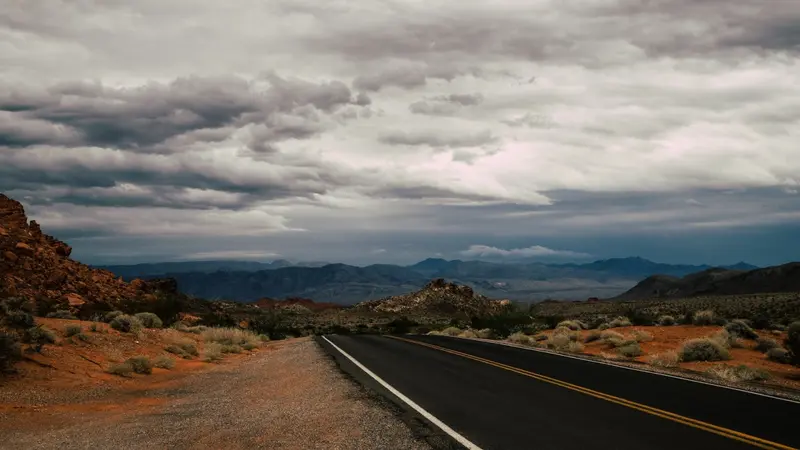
(666, 359)
(230, 336)
(575, 347)
(212, 352)
(793, 341)
(183, 348)
(18, 319)
(61, 314)
(630, 350)
(149, 320)
(10, 351)
(573, 336)
(665, 321)
(263, 338)
(72, 330)
(612, 338)
(539, 337)
(519, 338)
(126, 324)
(703, 349)
(763, 345)
(38, 337)
(705, 317)
(467, 334)
(141, 364)
(779, 355)
(617, 322)
(738, 373)
(95, 327)
(249, 346)
(434, 333)
(558, 341)
(199, 329)
(164, 362)
(592, 336)
(740, 328)
(573, 325)
(111, 316)
(642, 336)
(451, 331)
(724, 338)
(485, 333)
(123, 369)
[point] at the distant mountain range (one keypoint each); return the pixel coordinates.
(346, 284)
(718, 281)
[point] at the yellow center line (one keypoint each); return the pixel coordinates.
(752, 440)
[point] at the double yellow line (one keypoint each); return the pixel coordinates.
(731, 434)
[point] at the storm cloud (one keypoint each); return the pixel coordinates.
(501, 129)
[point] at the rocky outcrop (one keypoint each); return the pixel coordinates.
(38, 268)
(437, 297)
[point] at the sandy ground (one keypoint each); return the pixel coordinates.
(287, 395)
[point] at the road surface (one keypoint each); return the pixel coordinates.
(499, 397)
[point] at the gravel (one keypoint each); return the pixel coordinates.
(287, 396)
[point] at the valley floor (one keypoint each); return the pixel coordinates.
(288, 395)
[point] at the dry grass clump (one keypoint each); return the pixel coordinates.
(705, 317)
(520, 338)
(642, 336)
(485, 333)
(630, 350)
(72, 330)
(136, 364)
(618, 322)
(564, 339)
(738, 373)
(703, 349)
(451, 331)
(666, 359)
(231, 337)
(212, 352)
(574, 325)
(467, 334)
(179, 345)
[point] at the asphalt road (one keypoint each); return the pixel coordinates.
(501, 397)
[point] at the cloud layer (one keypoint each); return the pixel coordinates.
(398, 121)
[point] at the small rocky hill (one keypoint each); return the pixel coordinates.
(38, 268)
(437, 297)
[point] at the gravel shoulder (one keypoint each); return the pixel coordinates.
(289, 395)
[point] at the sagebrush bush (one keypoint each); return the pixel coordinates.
(765, 344)
(126, 324)
(18, 319)
(665, 321)
(724, 338)
(38, 337)
(573, 325)
(642, 336)
(738, 373)
(740, 328)
(212, 352)
(72, 330)
(164, 362)
(123, 369)
(666, 359)
(10, 351)
(630, 350)
(111, 316)
(60, 314)
(779, 355)
(149, 320)
(141, 364)
(620, 321)
(703, 349)
(703, 318)
(612, 338)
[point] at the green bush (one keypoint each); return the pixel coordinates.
(61, 314)
(704, 318)
(763, 345)
(793, 341)
(149, 320)
(164, 362)
(703, 349)
(740, 328)
(141, 364)
(779, 355)
(10, 351)
(630, 350)
(111, 316)
(72, 330)
(126, 324)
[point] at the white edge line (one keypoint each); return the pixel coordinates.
(461, 439)
(611, 364)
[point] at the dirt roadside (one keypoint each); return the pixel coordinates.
(289, 395)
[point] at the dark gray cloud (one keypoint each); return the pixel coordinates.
(438, 138)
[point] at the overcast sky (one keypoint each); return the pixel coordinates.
(389, 131)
